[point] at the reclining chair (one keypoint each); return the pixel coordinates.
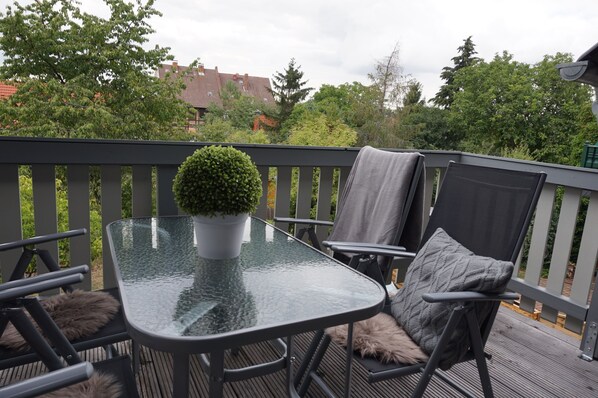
(112, 332)
(381, 204)
(48, 382)
(445, 310)
(111, 377)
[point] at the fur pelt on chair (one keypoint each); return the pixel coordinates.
(98, 386)
(380, 337)
(77, 314)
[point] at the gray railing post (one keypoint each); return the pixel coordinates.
(590, 333)
(165, 202)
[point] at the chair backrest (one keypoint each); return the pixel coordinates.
(384, 189)
(487, 210)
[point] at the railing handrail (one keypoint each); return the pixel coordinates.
(29, 150)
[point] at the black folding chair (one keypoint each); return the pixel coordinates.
(48, 382)
(114, 331)
(488, 211)
(20, 306)
(381, 204)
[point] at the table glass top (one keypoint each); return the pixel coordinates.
(168, 290)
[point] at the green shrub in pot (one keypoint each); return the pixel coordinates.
(219, 186)
(217, 180)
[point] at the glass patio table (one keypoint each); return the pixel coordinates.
(177, 302)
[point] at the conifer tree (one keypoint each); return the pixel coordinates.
(289, 89)
(465, 57)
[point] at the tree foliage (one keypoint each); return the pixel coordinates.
(505, 104)
(289, 89)
(238, 108)
(215, 129)
(464, 58)
(79, 75)
(431, 130)
(322, 130)
(414, 94)
(354, 104)
(233, 120)
(389, 79)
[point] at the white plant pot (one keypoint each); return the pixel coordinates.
(219, 237)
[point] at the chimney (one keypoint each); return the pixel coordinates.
(201, 70)
(245, 82)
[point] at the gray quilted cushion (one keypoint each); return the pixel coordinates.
(444, 265)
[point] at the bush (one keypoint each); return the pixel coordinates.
(217, 179)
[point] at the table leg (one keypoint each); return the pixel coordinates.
(216, 376)
(180, 377)
(349, 362)
(291, 390)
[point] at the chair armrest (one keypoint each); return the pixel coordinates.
(308, 221)
(80, 269)
(330, 243)
(41, 239)
(448, 297)
(378, 250)
(35, 284)
(49, 382)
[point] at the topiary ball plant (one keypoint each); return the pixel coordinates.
(217, 180)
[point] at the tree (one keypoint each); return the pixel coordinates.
(238, 108)
(431, 130)
(464, 58)
(414, 94)
(215, 129)
(233, 120)
(289, 90)
(507, 106)
(321, 130)
(390, 81)
(354, 104)
(79, 75)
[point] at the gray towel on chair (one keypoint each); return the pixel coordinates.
(374, 197)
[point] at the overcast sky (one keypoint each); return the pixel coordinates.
(338, 41)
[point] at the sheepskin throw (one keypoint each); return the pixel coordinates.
(98, 386)
(444, 265)
(380, 337)
(77, 314)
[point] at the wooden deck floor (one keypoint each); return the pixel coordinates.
(529, 360)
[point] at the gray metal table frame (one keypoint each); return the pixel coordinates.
(175, 301)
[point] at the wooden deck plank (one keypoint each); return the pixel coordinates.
(529, 360)
(543, 360)
(148, 381)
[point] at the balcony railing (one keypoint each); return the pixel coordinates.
(153, 165)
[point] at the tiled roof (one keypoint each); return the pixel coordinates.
(205, 84)
(6, 90)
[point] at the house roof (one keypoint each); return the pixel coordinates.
(6, 90)
(204, 85)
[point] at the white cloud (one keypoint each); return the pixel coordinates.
(338, 41)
